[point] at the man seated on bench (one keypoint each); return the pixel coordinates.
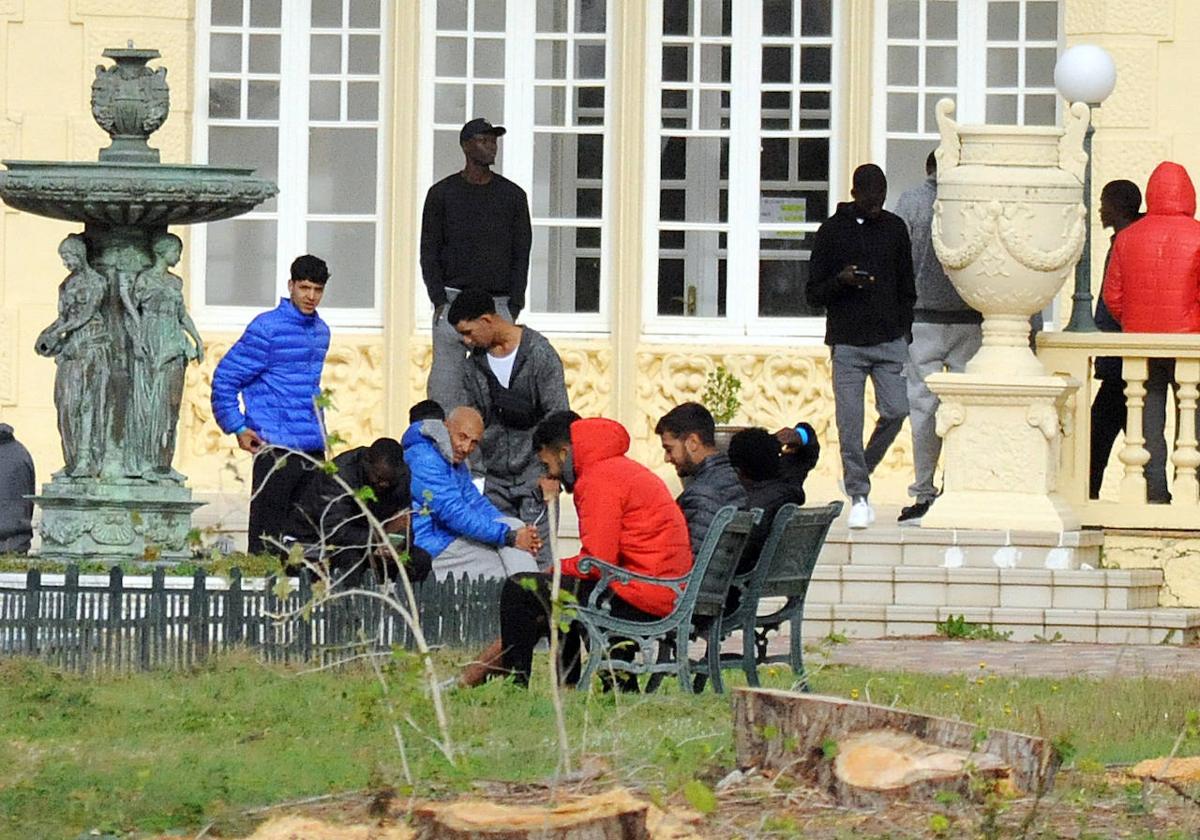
(464, 532)
(688, 435)
(328, 517)
(772, 468)
(626, 518)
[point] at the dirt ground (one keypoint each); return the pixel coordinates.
(1083, 805)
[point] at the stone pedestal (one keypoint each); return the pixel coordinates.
(93, 521)
(1002, 441)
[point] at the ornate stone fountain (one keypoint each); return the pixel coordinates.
(123, 336)
(1008, 227)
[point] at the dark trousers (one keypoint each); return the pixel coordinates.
(525, 620)
(275, 490)
(1108, 418)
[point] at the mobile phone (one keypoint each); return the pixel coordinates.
(860, 274)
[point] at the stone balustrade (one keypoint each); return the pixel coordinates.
(1072, 354)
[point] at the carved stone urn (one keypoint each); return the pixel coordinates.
(1008, 227)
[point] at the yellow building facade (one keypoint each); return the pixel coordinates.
(679, 155)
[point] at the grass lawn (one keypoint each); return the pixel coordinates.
(179, 750)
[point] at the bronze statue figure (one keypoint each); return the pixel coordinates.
(79, 344)
(161, 328)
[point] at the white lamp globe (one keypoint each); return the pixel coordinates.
(1085, 73)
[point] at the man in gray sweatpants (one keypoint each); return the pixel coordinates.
(946, 333)
(861, 272)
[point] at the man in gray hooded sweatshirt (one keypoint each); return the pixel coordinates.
(946, 333)
(16, 482)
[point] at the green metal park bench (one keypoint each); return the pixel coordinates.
(784, 569)
(661, 646)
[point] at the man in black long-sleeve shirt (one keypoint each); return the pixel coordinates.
(861, 271)
(475, 234)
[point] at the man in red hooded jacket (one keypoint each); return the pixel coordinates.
(627, 517)
(1153, 286)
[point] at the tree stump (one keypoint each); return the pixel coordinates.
(865, 755)
(615, 815)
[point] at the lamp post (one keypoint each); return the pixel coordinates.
(1085, 73)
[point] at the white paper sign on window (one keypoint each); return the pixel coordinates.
(775, 210)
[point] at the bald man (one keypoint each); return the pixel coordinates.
(464, 533)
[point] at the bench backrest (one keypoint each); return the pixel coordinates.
(718, 560)
(786, 561)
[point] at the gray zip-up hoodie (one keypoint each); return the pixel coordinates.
(16, 482)
(537, 380)
(938, 302)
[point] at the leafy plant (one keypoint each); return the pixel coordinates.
(957, 627)
(721, 395)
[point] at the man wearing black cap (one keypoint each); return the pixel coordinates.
(475, 234)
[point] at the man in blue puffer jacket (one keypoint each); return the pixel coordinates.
(276, 367)
(464, 532)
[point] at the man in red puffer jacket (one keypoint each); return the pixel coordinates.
(1153, 286)
(627, 517)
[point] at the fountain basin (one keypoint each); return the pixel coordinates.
(120, 194)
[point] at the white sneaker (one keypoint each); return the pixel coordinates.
(861, 514)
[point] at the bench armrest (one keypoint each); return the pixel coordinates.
(610, 574)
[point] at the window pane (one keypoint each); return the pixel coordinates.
(549, 105)
(776, 64)
(589, 61)
(489, 104)
(224, 99)
(589, 106)
(814, 109)
(1002, 109)
(264, 13)
(1040, 110)
(941, 20)
(227, 12)
(364, 14)
(349, 249)
(776, 110)
(256, 148)
(677, 64)
(1041, 20)
(564, 274)
(815, 64)
(1003, 19)
(489, 15)
(560, 161)
(777, 17)
(447, 154)
(240, 263)
(901, 112)
(326, 54)
(697, 165)
(364, 54)
(341, 170)
(590, 15)
(327, 13)
(1039, 67)
(677, 18)
(941, 66)
(451, 57)
(324, 100)
(1002, 68)
(452, 14)
(489, 58)
(715, 16)
(262, 100)
(450, 103)
(264, 54)
(783, 276)
(551, 16)
(904, 19)
(550, 59)
(812, 158)
(906, 165)
(225, 53)
(774, 159)
(362, 101)
(691, 280)
(816, 17)
(902, 65)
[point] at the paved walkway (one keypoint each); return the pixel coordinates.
(1031, 659)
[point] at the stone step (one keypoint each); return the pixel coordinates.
(886, 543)
(1136, 626)
(1097, 589)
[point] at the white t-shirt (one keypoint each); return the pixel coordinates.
(502, 366)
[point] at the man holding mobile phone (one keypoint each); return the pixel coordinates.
(861, 272)
(276, 369)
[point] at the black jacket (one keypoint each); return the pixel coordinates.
(877, 313)
(713, 485)
(327, 513)
(16, 482)
(769, 496)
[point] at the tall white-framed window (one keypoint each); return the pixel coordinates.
(541, 69)
(294, 89)
(995, 58)
(741, 110)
